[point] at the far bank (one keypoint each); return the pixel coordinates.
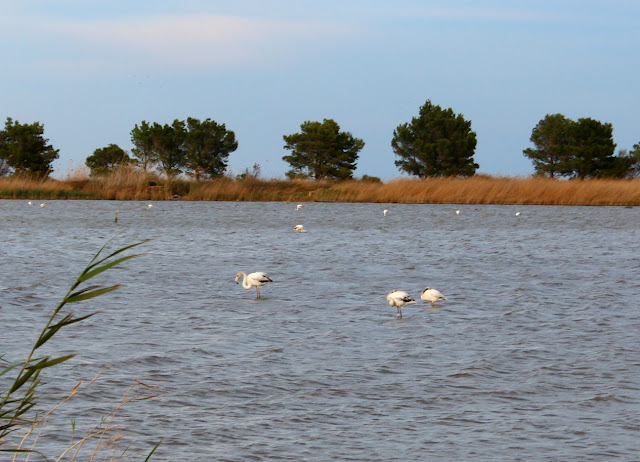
(479, 189)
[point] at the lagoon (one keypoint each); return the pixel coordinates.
(533, 356)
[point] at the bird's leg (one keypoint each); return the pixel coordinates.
(399, 312)
(257, 292)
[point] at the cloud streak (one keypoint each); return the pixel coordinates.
(186, 42)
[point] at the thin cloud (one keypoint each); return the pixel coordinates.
(186, 41)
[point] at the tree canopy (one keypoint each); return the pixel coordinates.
(551, 138)
(321, 150)
(207, 146)
(24, 150)
(104, 160)
(577, 149)
(143, 142)
(436, 143)
(199, 148)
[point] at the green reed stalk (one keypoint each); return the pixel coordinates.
(20, 396)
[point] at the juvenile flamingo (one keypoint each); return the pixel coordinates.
(431, 295)
(399, 298)
(256, 280)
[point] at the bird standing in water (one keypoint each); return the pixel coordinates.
(431, 295)
(256, 280)
(399, 298)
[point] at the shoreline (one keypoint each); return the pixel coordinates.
(478, 190)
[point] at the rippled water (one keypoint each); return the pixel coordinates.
(534, 356)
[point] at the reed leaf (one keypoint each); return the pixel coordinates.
(153, 450)
(67, 320)
(102, 268)
(93, 293)
(50, 362)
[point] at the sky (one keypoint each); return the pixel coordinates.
(89, 71)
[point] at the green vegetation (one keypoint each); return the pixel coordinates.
(24, 150)
(20, 419)
(578, 149)
(107, 159)
(198, 148)
(322, 151)
(436, 143)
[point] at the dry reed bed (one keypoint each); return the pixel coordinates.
(129, 184)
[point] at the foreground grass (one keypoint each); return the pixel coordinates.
(21, 425)
(480, 189)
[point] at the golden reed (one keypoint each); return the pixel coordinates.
(132, 184)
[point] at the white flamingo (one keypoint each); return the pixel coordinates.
(517, 214)
(256, 280)
(299, 229)
(150, 206)
(298, 207)
(431, 295)
(42, 205)
(457, 212)
(399, 298)
(29, 202)
(384, 212)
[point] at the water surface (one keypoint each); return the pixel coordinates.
(533, 356)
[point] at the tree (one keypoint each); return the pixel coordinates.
(552, 152)
(168, 147)
(23, 149)
(582, 149)
(207, 145)
(143, 151)
(592, 149)
(321, 150)
(436, 143)
(107, 159)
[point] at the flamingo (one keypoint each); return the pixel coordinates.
(42, 205)
(384, 212)
(431, 295)
(29, 202)
(298, 207)
(399, 298)
(150, 206)
(517, 214)
(256, 280)
(457, 212)
(299, 229)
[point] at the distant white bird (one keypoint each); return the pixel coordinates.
(384, 212)
(29, 202)
(42, 205)
(299, 229)
(298, 207)
(399, 298)
(517, 214)
(457, 212)
(256, 280)
(150, 206)
(431, 295)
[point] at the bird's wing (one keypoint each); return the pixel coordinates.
(260, 277)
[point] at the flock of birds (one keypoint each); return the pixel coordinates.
(397, 298)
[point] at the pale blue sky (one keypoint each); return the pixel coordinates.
(90, 70)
